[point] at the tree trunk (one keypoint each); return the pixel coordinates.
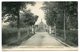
(34, 30)
(18, 25)
(55, 29)
(67, 22)
(64, 27)
(49, 29)
(33, 27)
(19, 35)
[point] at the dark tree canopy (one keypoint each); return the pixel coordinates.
(12, 9)
(55, 13)
(29, 18)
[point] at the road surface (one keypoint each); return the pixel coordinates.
(41, 40)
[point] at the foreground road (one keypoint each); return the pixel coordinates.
(41, 41)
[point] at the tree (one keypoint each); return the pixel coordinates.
(51, 14)
(13, 8)
(61, 14)
(28, 18)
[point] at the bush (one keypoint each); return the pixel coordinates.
(8, 33)
(25, 31)
(71, 35)
(60, 33)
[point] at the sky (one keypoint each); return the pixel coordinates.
(36, 9)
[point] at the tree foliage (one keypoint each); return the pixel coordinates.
(28, 18)
(55, 13)
(13, 7)
(12, 10)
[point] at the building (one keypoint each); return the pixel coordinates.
(41, 27)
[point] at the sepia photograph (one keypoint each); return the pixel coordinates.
(40, 25)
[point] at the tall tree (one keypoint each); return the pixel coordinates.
(14, 9)
(61, 14)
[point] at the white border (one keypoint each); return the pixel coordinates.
(42, 51)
